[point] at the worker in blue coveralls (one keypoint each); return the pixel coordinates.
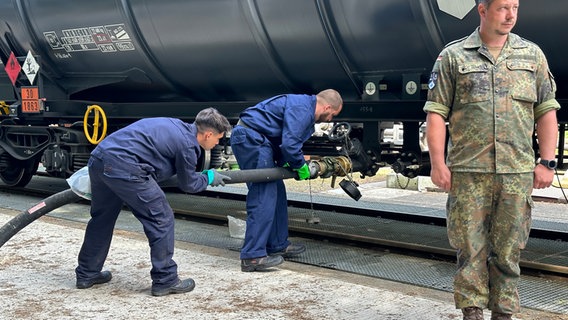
(126, 167)
(267, 135)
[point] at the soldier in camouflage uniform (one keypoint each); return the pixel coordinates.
(491, 87)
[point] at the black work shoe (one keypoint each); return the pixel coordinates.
(182, 286)
(472, 313)
(102, 277)
(291, 250)
(248, 265)
(501, 316)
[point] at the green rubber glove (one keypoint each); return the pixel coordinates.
(215, 178)
(303, 172)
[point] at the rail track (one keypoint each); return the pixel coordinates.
(385, 227)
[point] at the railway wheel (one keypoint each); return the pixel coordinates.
(17, 173)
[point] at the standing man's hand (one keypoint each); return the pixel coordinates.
(436, 137)
(542, 177)
(442, 177)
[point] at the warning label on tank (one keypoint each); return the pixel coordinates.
(106, 39)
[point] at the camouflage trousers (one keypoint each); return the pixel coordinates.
(489, 219)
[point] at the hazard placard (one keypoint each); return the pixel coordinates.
(30, 100)
(31, 67)
(13, 68)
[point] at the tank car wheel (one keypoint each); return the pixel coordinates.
(18, 173)
(339, 131)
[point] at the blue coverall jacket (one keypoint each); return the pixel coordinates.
(126, 168)
(272, 134)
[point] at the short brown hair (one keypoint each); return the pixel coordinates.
(332, 97)
(486, 3)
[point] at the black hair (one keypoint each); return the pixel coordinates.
(211, 119)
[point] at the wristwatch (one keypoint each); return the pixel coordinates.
(550, 164)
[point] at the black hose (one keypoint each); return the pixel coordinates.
(251, 175)
(68, 196)
(258, 175)
(28, 216)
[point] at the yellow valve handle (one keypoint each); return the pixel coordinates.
(99, 116)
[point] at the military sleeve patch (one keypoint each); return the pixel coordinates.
(433, 80)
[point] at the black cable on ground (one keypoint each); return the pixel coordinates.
(560, 184)
(28, 216)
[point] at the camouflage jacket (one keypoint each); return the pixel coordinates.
(491, 104)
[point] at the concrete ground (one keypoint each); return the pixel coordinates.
(38, 282)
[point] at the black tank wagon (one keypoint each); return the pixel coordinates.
(75, 70)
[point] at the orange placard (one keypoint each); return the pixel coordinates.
(30, 106)
(30, 100)
(30, 93)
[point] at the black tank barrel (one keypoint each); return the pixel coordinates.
(229, 50)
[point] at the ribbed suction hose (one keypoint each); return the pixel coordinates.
(28, 216)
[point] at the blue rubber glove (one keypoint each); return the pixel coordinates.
(303, 172)
(215, 179)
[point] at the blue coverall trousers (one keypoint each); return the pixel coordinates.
(267, 206)
(112, 184)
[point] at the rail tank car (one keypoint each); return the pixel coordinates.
(74, 69)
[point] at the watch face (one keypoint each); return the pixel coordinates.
(551, 164)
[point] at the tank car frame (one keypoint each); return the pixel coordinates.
(137, 59)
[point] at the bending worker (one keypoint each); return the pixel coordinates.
(126, 168)
(271, 134)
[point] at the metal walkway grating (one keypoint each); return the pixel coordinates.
(539, 252)
(537, 293)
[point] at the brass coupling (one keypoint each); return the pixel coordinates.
(331, 166)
